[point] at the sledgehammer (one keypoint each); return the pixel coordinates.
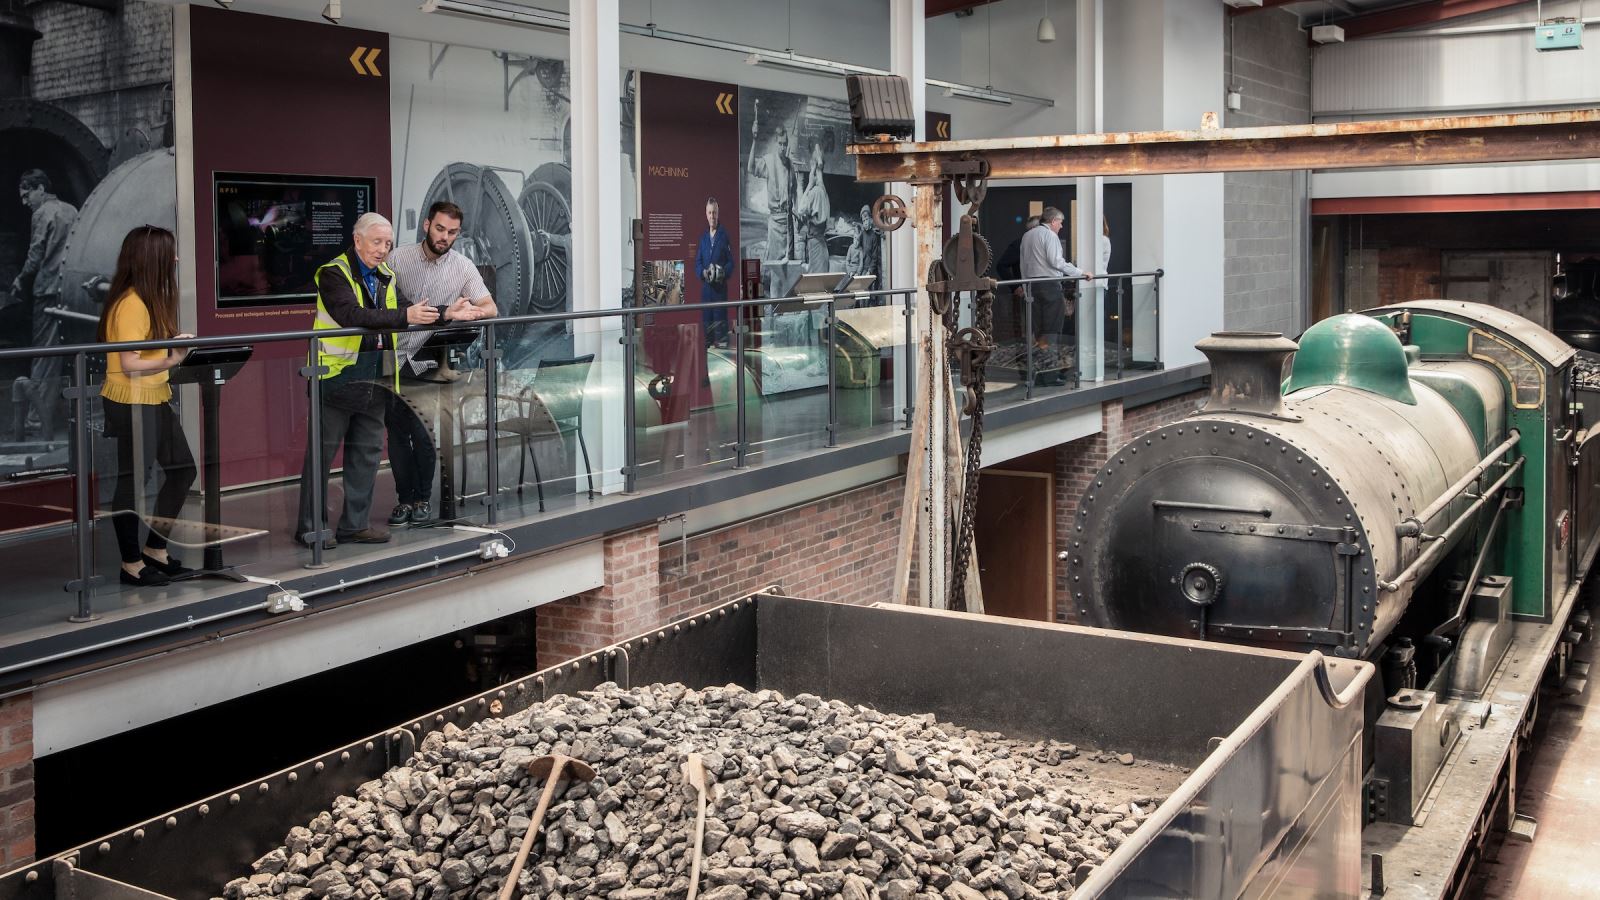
(550, 769)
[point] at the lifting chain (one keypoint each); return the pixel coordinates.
(965, 266)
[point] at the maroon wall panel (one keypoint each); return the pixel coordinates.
(276, 96)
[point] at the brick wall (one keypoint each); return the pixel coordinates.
(624, 606)
(839, 548)
(16, 781)
(1079, 460)
(113, 71)
(1263, 211)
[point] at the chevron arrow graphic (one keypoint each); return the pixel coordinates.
(355, 60)
(372, 61)
(724, 104)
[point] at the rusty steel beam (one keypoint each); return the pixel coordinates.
(1453, 140)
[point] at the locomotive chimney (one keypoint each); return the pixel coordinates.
(1247, 371)
(17, 35)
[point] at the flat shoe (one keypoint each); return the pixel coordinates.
(147, 577)
(172, 568)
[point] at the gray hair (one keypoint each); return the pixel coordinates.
(1049, 215)
(1032, 222)
(367, 221)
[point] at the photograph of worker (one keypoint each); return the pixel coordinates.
(800, 214)
(491, 132)
(504, 155)
(85, 155)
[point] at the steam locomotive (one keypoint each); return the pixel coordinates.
(1416, 489)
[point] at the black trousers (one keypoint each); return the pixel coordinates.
(412, 456)
(147, 434)
(352, 416)
(1050, 311)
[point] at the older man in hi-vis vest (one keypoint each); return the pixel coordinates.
(357, 290)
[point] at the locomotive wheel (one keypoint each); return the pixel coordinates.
(544, 203)
(495, 233)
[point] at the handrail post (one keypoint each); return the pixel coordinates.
(1027, 340)
(313, 372)
(491, 425)
(1077, 335)
(1157, 290)
(85, 583)
(630, 438)
(740, 425)
(833, 375)
(1121, 319)
(910, 367)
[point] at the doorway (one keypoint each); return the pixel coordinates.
(1015, 535)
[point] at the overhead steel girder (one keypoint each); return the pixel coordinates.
(1450, 140)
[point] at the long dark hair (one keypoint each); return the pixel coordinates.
(147, 266)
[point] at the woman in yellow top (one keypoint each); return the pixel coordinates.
(141, 306)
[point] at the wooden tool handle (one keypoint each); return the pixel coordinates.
(699, 843)
(510, 886)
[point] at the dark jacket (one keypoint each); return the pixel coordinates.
(713, 249)
(363, 311)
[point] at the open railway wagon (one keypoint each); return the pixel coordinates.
(1416, 487)
(1263, 810)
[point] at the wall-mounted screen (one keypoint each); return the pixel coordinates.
(273, 231)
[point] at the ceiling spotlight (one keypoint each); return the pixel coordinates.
(331, 12)
(1047, 28)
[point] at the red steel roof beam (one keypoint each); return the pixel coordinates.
(1429, 13)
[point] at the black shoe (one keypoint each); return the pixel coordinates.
(173, 568)
(401, 516)
(147, 577)
(328, 544)
(366, 536)
(421, 513)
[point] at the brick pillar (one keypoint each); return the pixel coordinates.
(16, 781)
(627, 604)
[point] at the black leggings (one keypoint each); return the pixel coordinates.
(160, 440)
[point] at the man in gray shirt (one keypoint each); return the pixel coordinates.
(1042, 258)
(432, 273)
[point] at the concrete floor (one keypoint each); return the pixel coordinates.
(1562, 791)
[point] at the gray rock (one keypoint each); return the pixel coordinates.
(803, 823)
(837, 846)
(899, 762)
(856, 888)
(804, 855)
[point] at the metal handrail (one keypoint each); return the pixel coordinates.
(83, 585)
(1436, 549)
(497, 321)
(1412, 526)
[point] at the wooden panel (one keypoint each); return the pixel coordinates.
(1015, 534)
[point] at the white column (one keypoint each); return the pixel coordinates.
(1090, 35)
(598, 231)
(908, 59)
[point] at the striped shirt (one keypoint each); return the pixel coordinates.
(436, 282)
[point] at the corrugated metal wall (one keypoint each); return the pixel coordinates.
(1392, 75)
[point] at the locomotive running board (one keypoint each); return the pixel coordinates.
(1478, 781)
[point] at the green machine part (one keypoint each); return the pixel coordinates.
(1352, 350)
(1523, 534)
